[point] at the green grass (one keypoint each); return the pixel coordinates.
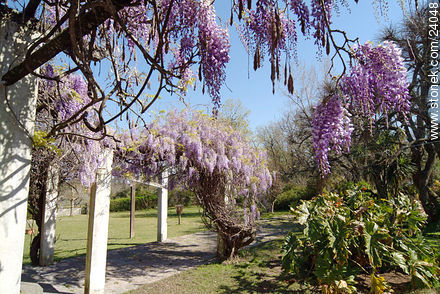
(257, 270)
(71, 231)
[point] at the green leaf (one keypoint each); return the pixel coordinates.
(419, 276)
(302, 213)
(399, 259)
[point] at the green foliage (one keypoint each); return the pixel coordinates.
(288, 199)
(436, 187)
(142, 202)
(141, 191)
(41, 141)
(291, 196)
(353, 232)
(147, 198)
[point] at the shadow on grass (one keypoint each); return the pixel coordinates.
(249, 281)
(281, 225)
(262, 272)
(124, 244)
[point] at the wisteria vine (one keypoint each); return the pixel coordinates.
(376, 84)
(194, 143)
(78, 146)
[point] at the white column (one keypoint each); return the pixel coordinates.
(48, 222)
(162, 208)
(17, 117)
(98, 226)
(132, 208)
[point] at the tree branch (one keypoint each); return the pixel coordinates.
(86, 23)
(29, 11)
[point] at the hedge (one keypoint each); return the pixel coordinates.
(142, 202)
(148, 199)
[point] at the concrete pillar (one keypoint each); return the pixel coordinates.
(48, 223)
(132, 208)
(72, 204)
(162, 208)
(98, 226)
(17, 117)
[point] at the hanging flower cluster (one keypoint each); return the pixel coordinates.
(270, 29)
(270, 26)
(377, 83)
(177, 29)
(191, 26)
(332, 129)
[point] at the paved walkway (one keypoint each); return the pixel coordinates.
(132, 267)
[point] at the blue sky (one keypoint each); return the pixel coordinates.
(255, 92)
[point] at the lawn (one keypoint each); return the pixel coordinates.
(71, 231)
(257, 270)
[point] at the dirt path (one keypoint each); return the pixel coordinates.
(132, 267)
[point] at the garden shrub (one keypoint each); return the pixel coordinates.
(142, 202)
(287, 199)
(122, 194)
(146, 199)
(149, 196)
(354, 233)
(291, 196)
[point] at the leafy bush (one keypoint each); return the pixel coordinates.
(142, 202)
(122, 194)
(287, 199)
(141, 191)
(145, 199)
(291, 196)
(353, 232)
(436, 187)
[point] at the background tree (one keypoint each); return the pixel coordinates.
(234, 113)
(288, 141)
(413, 38)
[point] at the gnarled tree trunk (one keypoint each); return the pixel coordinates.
(41, 160)
(223, 217)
